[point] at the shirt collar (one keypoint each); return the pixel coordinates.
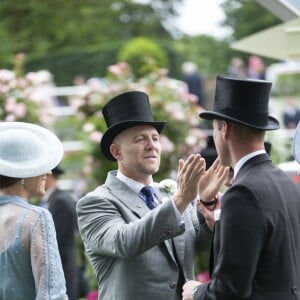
(132, 184)
(245, 158)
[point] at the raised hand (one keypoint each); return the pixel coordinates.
(212, 180)
(189, 173)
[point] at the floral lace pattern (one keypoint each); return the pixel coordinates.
(29, 254)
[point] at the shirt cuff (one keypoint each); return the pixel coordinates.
(217, 214)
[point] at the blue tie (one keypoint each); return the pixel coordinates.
(148, 191)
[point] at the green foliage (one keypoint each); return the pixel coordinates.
(202, 262)
(39, 28)
(288, 84)
(210, 55)
(246, 17)
(143, 55)
(66, 67)
(83, 37)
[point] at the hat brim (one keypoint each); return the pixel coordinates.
(27, 150)
(273, 124)
(114, 130)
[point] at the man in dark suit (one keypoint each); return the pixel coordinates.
(62, 206)
(255, 253)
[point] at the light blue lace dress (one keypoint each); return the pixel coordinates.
(30, 265)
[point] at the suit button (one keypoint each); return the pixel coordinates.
(182, 226)
(294, 290)
(172, 285)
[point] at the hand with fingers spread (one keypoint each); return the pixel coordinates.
(189, 173)
(209, 186)
(212, 180)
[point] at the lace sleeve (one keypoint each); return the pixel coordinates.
(46, 261)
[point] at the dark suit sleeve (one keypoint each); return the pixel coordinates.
(204, 237)
(63, 212)
(238, 240)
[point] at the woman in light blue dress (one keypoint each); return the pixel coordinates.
(30, 264)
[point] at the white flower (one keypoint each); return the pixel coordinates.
(168, 186)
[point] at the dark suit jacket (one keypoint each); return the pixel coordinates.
(256, 249)
(63, 209)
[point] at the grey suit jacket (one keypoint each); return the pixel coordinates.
(136, 253)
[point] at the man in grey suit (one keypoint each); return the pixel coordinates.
(255, 254)
(140, 252)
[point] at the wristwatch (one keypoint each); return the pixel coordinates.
(210, 203)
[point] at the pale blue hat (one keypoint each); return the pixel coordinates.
(27, 150)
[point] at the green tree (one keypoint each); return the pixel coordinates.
(143, 55)
(39, 28)
(246, 17)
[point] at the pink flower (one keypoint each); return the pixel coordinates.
(203, 277)
(6, 75)
(96, 136)
(93, 295)
(88, 127)
(166, 144)
(10, 104)
(20, 110)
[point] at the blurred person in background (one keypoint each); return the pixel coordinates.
(256, 68)
(237, 68)
(62, 206)
(29, 257)
(194, 81)
(291, 114)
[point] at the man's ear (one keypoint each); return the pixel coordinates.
(115, 151)
(226, 129)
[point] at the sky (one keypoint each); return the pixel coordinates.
(201, 17)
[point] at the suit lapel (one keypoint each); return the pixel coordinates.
(175, 243)
(130, 199)
(125, 195)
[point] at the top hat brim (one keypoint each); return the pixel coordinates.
(114, 130)
(273, 124)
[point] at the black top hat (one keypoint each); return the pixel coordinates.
(123, 111)
(243, 101)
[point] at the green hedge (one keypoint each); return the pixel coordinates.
(65, 67)
(93, 63)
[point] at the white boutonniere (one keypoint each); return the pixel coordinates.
(168, 186)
